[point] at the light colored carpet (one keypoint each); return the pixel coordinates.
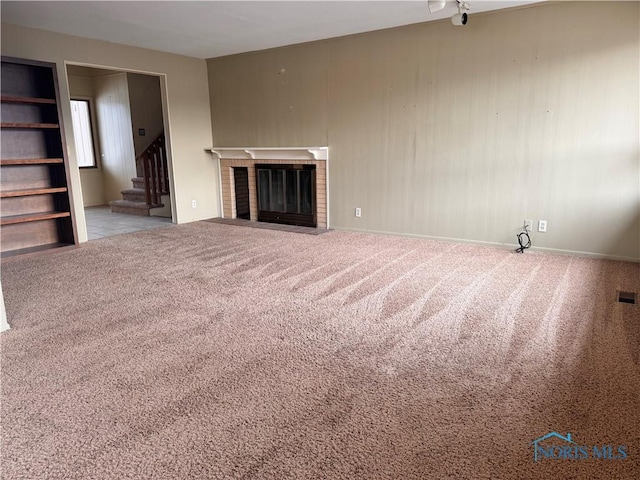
(214, 351)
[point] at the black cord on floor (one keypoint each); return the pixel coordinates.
(524, 244)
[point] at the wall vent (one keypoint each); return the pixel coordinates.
(627, 297)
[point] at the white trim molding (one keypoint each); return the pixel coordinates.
(270, 153)
(4, 324)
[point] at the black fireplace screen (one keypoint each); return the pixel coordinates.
(286, 194)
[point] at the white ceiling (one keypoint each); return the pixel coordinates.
(217, 28)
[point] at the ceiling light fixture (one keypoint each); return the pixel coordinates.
(458, 19)
(436, 5)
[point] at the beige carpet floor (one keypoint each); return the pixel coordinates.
(215, 351)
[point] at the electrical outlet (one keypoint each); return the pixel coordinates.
(528, 224)
(358, 212)
(542, 226)
(194, 204)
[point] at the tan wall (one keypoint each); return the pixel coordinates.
(271, 99)
(462, 133)
(91, 178)
(186, 112)
(80, 86)
(146, 109)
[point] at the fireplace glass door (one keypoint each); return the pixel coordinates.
(286, 194)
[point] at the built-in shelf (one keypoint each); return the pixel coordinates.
(29, 161)
(32, 217)
(35, 194)
(31, 191)
(18, 99)
(36, 249)
(28, 125)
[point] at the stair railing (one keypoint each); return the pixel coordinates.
(155, 170)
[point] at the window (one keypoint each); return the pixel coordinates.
(83, 133)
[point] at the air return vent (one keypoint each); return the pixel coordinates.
(627, 297)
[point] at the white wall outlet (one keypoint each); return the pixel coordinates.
(194, 204)
(542, 226)
(528, 224)
(358, 212)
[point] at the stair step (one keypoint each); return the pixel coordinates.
(138, 183)
(133, 194)
(132, 208)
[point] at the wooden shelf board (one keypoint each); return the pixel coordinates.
(28, 125)
(29, 161)
(32, 217)
(31, 191)
(36, 249)
(20, 99)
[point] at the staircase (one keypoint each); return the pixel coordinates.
(133, 200)
(150, 185)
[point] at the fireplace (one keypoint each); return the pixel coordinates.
(286, 194)
(283, 185)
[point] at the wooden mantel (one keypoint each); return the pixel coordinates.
(271, 153)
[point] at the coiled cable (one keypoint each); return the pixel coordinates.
(524, 240)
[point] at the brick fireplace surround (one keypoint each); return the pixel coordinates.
(249, 157)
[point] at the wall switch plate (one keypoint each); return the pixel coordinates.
(358, 212)
(194, 204)
(542, 226)
(528, 224)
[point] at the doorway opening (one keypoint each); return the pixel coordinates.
(119, 132)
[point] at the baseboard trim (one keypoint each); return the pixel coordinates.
(506, 246)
